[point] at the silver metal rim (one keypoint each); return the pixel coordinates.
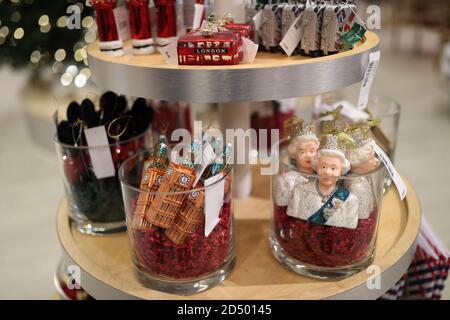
(231, 85)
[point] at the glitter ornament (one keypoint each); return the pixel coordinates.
(110, 42)
(166, 21)
(140, 27)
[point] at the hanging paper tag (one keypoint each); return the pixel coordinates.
(401, 187)
(214, 192)
(170, 52)
(102, 162)
(366, 86)
(257, 20)
(293, 36)
(204, 159)
(250, 50)
(199, 10)
(350, 111)
(122, 23)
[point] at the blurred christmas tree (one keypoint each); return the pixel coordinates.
(35, 33)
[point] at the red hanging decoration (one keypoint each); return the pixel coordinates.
(140, 26)
(108, 34)
(166, 21)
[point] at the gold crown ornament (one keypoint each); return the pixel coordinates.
(361, 131)
(308, 129)
(293, 127)
(336, 142)
(334, 126)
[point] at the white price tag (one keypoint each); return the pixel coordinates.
(250, 50)
(214, 192)
(293, 36)
(204, 159)
(102, 162)
(199, 10)
(350, 111)
(257, 20)
(372, 67)
(401, 187)
(122, 22)
(170, 52)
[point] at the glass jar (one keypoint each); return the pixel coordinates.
(178, 258)
(387, 111)
(336, 247)
(95, 205)
(383, 109)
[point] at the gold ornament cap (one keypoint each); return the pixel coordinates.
(293, 127)
(361, 136)
(308, 129)
(332, 142)
(207, 32)
(334, 126)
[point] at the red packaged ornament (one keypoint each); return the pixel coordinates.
(140, 27)
(245, 29)
(110, 42)
(206, 47)
(166, 21)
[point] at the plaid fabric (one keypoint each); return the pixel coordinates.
(425, 278)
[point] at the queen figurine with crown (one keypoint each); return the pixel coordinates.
(363, 160)
(324, 201)
(302, 150)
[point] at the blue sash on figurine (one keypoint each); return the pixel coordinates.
(319, 216)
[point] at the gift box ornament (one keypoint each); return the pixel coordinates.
(109, 39)
(140, 27)
(207, 47)
(245, 29)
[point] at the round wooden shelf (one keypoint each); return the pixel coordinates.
(107, 270)
(270, 77)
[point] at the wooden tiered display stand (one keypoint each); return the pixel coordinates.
(105, 262)
(107, 271)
